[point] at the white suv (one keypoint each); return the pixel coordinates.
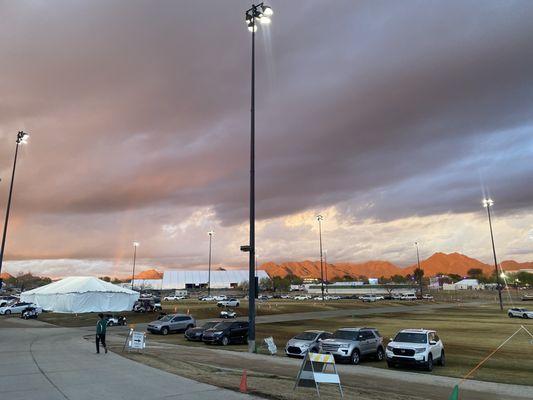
(520, 313)
(415, 347)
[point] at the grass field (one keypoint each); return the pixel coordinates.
(205, 310)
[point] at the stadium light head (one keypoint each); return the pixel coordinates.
(211, 233)
(487, 203)
(22, 137)
(136, 244)
(267, 11)
(319, 217)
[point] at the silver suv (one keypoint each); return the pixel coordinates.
(172, 323)
(351, 344)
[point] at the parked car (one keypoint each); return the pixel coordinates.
(225, 333)
(174, 298)
(220, 297)
(229, 303)
(351, 344)
(427, 297)
(17, 308)
(396, 296)
(30, 312)
(172, 323)
(228, 314)
(113, 320)
(415, 347)
(331, 297)
(520, 313)
(302, 297)
(263, 297)
(370, 298)
(207, 298)
(195, 334)
(285, 296)
(408, 296)
(146, 305)
(306, 341)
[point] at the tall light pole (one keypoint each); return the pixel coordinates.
(326, 268)
(418, 263)
(210, 233)
(319, 219)
(135, 245)
(262, 14)
(22, 138)
(488, 203)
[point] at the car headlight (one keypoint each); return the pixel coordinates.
(420, 350)
(218, 333)
(344, 346)
(390, 348)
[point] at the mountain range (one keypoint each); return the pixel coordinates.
(453, 263)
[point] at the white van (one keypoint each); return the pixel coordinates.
(408, 296)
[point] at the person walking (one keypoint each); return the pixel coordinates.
(101, 327)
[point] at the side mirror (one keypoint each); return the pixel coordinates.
(390, 339)
(432, 342)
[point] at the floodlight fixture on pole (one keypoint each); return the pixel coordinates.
(22, 138)
(210, 233)
(488, 203)
(319, 219)
(261, 13)
(135, 245)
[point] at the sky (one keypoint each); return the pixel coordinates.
(391, 119)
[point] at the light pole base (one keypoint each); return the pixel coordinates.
(251, 346)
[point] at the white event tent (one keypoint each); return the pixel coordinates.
(80, 294)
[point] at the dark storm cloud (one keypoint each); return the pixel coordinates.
(144, 105)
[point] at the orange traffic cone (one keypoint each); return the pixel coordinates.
(244, 385)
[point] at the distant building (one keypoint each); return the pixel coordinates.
(228, 279)
(465, 284)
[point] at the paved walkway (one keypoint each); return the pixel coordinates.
(39, 362)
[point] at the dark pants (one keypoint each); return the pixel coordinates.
(100, 338)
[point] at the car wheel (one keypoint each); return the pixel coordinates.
(510, 315)
(7, 312)
(110, 323)
(164, 331)
(380, 354)
(442, 359)
(225, 341)
(355, 357)
(429, 364)
(525, 316)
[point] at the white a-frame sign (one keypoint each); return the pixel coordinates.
(314, 371)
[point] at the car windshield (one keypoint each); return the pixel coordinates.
(410, 337)
(348, 335)
(306, 336)
(223, 325)
(166, 318)
(208, 325)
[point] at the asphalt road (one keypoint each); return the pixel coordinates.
(40, 362)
